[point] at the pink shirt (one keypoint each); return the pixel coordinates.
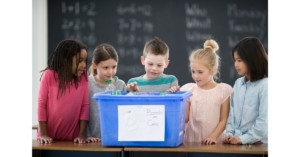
(63, 114)
(204, 110)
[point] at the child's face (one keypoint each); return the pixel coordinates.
(81, 58)
(154, 65)
(200, 73)
(106, 69)
(240, 65)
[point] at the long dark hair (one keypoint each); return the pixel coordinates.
(253, 53)
(61, 62)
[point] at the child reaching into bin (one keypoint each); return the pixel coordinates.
(63, 104)
(248, 118)
(208, 108)
(155, 59)
(103, 70)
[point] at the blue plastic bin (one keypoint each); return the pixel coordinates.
(174, 107)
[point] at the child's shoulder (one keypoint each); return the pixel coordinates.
(225, 85)
(264, 80)
(240, 80)
(118, 80)
(48, 73)
(171, 77)
(262, 83)
(165, 79)
(187, 87)
(225, 88)
(135, 79)
(91, 80)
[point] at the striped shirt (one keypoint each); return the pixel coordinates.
(160, 84)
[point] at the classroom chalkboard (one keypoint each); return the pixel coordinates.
(183, 24)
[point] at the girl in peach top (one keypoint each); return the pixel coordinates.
(208, 109)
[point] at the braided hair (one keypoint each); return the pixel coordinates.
(61, 62)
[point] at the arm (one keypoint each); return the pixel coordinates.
(174, 82)
(82, 133)
(188, 106)
(42, 109)
(84, 117)
(187, 87)
(229, 132)
(221, 125)
(44, 138)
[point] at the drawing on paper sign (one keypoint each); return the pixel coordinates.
(137, 122)
(131, 119)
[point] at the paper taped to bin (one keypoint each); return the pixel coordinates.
(137, 122)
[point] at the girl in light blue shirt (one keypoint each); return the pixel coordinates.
(248, 116)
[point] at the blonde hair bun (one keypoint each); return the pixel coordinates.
(211, 44)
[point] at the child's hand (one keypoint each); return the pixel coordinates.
(132, 87)
(45, 140)
(227, 139)
(232, 140)
(235, 140)
(93, 139)
(174, 89)
(80, 139)
(209, 141)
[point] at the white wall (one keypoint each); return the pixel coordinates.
(39, 51)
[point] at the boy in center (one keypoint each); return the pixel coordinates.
(155, 59)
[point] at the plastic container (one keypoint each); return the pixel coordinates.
(109, 85)
(157, 119)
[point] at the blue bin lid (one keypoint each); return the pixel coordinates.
(143, 95)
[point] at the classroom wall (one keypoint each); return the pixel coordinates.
(39, 51)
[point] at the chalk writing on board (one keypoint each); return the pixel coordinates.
(130, 69)
(245, 21)
(129, 52)
(198, 24)
(132, 30)
(184, 25)
(145, 10)
(78, 8)
(73, 26)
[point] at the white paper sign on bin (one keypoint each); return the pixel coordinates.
(141, 122)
